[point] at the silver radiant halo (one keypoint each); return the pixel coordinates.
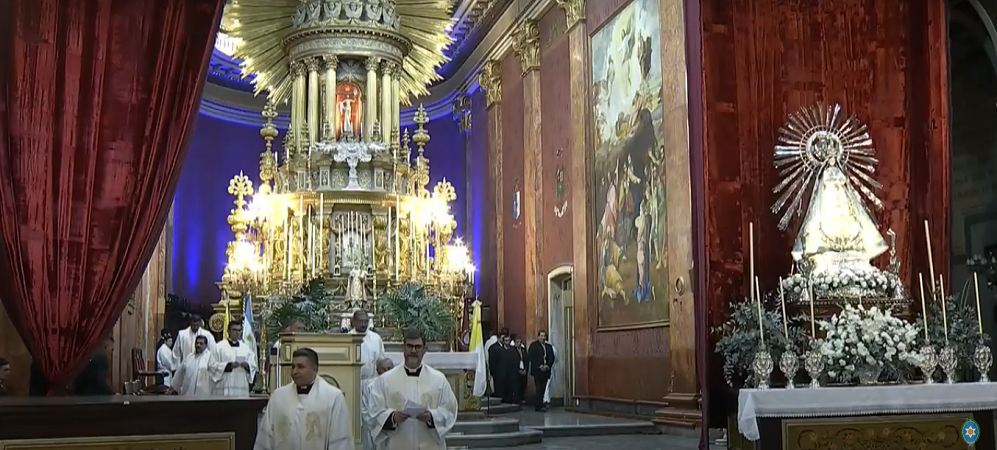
(812, 140)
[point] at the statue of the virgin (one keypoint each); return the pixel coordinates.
(834, 160)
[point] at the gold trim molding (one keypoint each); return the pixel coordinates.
(574, 12)
(186, 441)
(490, 80)
(527, 46)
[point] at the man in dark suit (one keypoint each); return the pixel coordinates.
(522, 368)
(498, 357)
(4, 373)
(541, 357)
(93, 379)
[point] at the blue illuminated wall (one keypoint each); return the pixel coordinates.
(446, 160)
(218, 152)
(479, 182)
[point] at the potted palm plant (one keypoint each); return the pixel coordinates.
(412, 305)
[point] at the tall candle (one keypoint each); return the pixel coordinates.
(976, 287)
(427, 260)
(311, 241)
(945, 314)
(287, 247)
(751, 257)
(373, 263)
(761, 318)
(321, 224)
(924, 307)
(813, 316)
(301, 228)
(785, 320)
(931, 260)
(398, 226)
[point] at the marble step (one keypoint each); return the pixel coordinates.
(490, 425)
(595, 429)
(490, 410)
(494, 440)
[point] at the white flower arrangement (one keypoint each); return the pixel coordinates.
(860, 338)
(844, 283)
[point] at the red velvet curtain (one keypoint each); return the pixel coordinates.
(97, 101)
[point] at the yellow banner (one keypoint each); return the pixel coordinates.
(200, 441)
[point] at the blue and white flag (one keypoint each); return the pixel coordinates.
(247, 324)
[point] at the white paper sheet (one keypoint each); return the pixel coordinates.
(413, 409)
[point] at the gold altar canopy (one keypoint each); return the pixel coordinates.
(344, 200)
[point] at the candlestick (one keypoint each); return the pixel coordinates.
(373, 264)
(976, 288)
(427, 259)
(924, 308)
(321, 224)
(813, 316)
(311, 244)
(945, 314)
(301, 230)
(785, 320)
(931, 260)
(397, 228)
(287, 247)
(761, 318)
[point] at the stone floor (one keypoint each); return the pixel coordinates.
(559, 417)
(628, 442)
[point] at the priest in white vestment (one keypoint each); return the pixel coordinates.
(183, 345)
(308, 414)
(372, 348)
(412, 407)
(191, 378)
(366, 440)
(165, 363)
(233, 364)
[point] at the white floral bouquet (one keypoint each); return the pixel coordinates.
(845, 283)
(867, 340)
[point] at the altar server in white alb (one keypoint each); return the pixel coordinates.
(165, 362)
(366, 441)
(233, 364)
(308, 414)
(184, 344)
(372, 348)
(192, 377)
(412, 406)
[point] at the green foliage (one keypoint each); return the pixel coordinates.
(412, 305)
(739, 338)
(964, 332)
(310, 307)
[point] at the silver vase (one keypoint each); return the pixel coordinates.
(949, 361)
(927, 362)
(762, 368)
(813, 363)
(982, 360)
(789, 363)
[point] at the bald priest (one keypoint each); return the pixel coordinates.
(307, 414)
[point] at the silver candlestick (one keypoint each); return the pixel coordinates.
(789, 363)
(927, 362)
(762, 368)
(982, 360)
(813, 362)
(948, 360)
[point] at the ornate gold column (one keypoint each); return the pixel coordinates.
(579, 67)
(313, 100)
(396, 101)
(527, 48)
(387, 68)
(370, 115)
(490, 80)
(331, 108)
(298, 102)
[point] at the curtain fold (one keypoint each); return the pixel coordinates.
(97, 102)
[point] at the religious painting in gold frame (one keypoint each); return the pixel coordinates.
(628, 170)
(349, 103)
(195, 441)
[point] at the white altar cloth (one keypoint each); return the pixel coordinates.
(861, 400)
(442, 360)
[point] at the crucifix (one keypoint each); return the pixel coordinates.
(352, 153)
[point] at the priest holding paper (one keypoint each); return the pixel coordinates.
(233, 364)
(412, 406)
(308, 414)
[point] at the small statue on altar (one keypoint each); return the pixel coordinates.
(355, 292)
